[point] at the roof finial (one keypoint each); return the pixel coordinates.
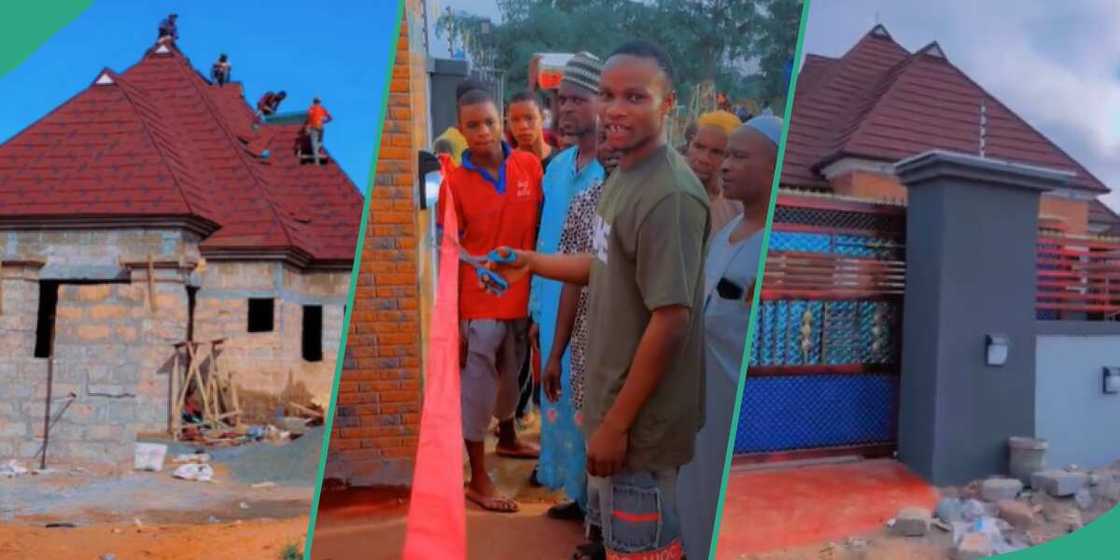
(983, 126)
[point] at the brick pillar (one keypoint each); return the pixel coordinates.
(375, 427)
(971, 233)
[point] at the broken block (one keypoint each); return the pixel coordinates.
(912, 522)
(1019, 514)
(1059, 483)
(973, 546)
(949, 510)
(1083, 498)
(998, 489)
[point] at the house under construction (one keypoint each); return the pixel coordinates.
(146, 211)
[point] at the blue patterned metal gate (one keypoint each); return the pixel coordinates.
(825, 359)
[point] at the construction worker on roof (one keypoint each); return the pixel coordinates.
(269, 103)
(317, 116)
(168, 30)
(221, 69)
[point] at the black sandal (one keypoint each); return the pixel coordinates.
(566, 512)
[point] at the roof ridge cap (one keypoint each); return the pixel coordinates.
(129, 90)
(232, 138)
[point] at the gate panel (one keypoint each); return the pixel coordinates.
(825, 359)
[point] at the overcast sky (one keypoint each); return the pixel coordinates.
(1056, 64)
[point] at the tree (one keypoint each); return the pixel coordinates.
(708, 40)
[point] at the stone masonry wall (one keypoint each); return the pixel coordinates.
(111, 350)
(376, 423)
(268, 367)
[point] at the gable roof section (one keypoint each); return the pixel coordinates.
(160, 142)
(880, 102)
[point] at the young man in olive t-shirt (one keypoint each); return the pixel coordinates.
(643, 400)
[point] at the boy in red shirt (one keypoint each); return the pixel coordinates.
(497, 197)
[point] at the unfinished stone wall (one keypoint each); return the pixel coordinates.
(268, 367)
(376, 424)
(113, 338)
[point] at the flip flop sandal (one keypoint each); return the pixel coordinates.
(566, 512)
(590, 551)
(488, 503)
(508, 454)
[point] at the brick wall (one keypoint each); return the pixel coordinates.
(1074, 214)
(111, 351)
(268, 367)
(375, 425)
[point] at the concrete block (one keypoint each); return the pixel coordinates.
(12, 430)
(998, 489)
(971, 510)
(912, 522)
(973, 546)
(1019, 514)
(1059, 483)
(93, 333)
(1083, 499)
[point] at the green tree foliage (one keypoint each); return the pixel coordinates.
(743, 46)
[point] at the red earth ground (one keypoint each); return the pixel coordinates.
(369, 524)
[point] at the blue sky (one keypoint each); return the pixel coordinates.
(1056, 64)
(337, 50)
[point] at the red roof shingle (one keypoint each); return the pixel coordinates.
(160, 141)
(879, 101)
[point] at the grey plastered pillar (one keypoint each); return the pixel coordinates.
(970, 271)
(444, 76)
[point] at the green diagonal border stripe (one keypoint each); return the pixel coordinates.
(25, 26)
(1097, 540)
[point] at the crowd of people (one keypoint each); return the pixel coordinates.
(631, 268)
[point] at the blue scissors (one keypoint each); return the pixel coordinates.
(492, 280)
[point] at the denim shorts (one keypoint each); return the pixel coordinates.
(636, 512)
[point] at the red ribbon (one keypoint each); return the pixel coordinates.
(437, 514)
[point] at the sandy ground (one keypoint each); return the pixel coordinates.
(369, 524)
(130, 514)
(249, 540)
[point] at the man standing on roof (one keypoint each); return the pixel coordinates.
(168, 30)
(221, 69)
(317, 116)
(269, 103)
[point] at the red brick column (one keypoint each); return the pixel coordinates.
(375, 428)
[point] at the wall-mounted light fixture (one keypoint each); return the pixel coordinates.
(1111, 380)
(998, 346)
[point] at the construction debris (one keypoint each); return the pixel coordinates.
(12, 469)
(912, 522)
(192, 458)
(206, 398)
(1059, 483)
(149, 457)
(200, 472)
(997, 489)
